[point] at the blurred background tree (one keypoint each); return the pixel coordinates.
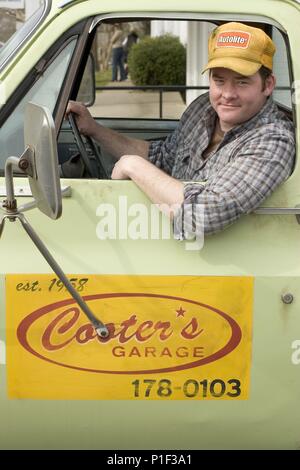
(158, 61)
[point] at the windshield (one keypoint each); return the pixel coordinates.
(18, 22)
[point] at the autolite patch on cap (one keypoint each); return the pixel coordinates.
(233, 39)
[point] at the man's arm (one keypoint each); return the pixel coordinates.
(114, 143)
(162, 189)
(236, 189)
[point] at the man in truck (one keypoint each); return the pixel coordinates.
(231, 149)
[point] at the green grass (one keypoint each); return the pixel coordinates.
(103, 77)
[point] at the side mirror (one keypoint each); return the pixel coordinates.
(40, 137)
(87, 89)
(40, 163)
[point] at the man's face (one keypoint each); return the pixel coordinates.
(237, 98)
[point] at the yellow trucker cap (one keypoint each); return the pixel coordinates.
(241, 48)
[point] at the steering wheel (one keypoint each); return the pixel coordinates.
(91, 158)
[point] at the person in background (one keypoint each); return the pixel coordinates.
(131, 39)
(117, 53)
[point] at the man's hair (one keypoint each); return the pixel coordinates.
(264, 72)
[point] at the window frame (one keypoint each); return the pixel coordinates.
(25, 33)
(209, 17)
(77, 31)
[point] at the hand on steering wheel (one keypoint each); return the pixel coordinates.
(93, 164)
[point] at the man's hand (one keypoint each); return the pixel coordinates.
(113, 142)
(85, 122)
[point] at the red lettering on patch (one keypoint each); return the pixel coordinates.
(238, 39)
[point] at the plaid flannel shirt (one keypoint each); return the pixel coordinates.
(250, 162)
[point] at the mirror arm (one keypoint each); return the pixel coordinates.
(100, 328)
(11, 164)
(23, 164)
(12, 213)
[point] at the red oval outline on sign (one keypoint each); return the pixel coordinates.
(236, 333)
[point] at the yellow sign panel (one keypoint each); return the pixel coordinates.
(171, 337)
